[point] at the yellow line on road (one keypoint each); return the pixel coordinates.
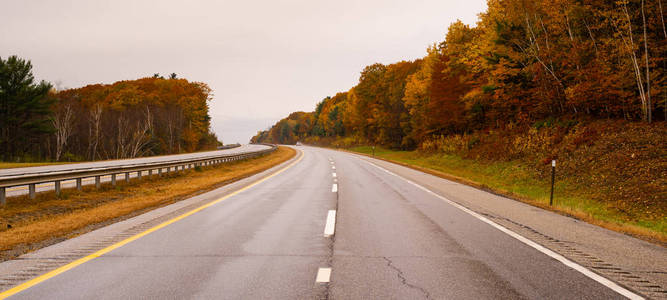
(30, 283)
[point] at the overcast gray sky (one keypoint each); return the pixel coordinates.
(263, 59)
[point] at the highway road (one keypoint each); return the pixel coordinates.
(327, 224)
(22, 190)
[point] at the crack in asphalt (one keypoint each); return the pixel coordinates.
(404, 281)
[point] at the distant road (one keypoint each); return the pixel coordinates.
(16, 191)
(330, 224)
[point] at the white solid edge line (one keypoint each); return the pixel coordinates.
(334, 188)
(330, 226)
(581, 269)
(333, 174)
(323, 275)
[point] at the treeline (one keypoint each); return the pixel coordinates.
(147, 116)
(523, 63)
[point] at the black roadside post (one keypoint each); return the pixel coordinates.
(553, 178)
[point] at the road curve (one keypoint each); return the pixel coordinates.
(391, 240)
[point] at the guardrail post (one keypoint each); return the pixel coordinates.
(3, 197)
(159, 172)
(98, 182)
(79, 186)
(127, 177)
(150, 173)
(31, 190)
(139, 175)
(113, 179)
(57, 187)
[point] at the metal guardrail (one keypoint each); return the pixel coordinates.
(229, 146)
(32, 179)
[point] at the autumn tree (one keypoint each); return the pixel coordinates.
(523, 63)
(140, 117)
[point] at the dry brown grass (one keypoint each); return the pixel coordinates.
(48, 219)
(11, 165)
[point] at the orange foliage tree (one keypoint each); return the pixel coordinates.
(523, 64)
(147, 116)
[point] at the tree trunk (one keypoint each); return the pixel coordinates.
(62, 122)
(648, 73)
(95, 119)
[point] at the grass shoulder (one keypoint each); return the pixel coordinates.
(29, 224)
(512, 179)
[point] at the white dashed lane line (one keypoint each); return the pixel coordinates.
(323, 275)
(330, 227)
